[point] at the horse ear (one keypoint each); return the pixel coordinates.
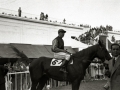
(101, 43)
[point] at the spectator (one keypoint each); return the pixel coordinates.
(19, 12)
(94, 32)
(113, 39)
(46, 17)
(81, 25)
(114, 68)
(3, 72)
(64, 21)
(42, 16)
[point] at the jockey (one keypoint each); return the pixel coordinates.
(58, 49)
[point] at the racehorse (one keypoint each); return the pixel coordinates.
(41, 71)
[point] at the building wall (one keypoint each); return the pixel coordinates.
(115, 34)
(28, 31)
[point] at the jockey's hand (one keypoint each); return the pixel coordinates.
(67, 52)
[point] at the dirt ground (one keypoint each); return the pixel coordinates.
(90, 85)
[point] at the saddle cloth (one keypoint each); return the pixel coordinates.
(57, 62)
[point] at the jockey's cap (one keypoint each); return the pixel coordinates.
(61, 30)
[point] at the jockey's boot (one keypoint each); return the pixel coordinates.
(63, 66)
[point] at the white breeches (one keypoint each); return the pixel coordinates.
(62, 55)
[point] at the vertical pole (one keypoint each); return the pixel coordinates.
(15, 81)
(20, 81)
(98, 69)
(26, 81)
(9, 75)
(6, 80)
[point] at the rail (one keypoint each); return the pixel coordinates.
(22, 81)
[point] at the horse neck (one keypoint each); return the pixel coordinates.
(87, 55)
(91, 52)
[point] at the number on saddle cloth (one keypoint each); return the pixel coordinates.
(56, 62)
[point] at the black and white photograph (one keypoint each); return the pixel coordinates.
(59, 45)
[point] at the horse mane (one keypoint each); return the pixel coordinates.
(86, 52)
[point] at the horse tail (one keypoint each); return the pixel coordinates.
(25, 59)
(36, 69)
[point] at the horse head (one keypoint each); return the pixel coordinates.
(102, 52)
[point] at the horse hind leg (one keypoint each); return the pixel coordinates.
(35, 74)
(76, 84)
(43, 80)
(35, 80)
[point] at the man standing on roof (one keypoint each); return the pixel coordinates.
(58, 49)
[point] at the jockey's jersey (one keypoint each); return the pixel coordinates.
(59, 44)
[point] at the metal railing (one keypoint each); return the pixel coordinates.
(22, 81)
(18, 81)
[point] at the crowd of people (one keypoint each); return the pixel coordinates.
(17, 66)
(42, 16)
(92, 33)
(95, 71)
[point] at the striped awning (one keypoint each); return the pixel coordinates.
(33, 51)
(7, 52)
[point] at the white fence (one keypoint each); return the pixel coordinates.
(18, 81)
(21, 81)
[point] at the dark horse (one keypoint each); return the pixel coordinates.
(41, 71)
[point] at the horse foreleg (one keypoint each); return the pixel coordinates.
(76, 84)
(34, 85)
(42, 82)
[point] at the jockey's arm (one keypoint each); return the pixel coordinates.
(55, 46)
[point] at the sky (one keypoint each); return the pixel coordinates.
(90, 12)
